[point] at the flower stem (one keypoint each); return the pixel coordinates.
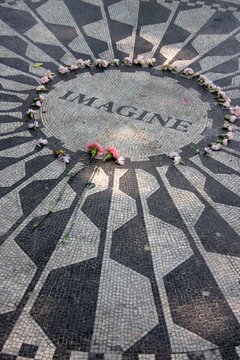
(74, 217)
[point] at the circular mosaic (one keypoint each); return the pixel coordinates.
(142, 115)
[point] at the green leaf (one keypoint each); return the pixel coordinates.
(37, 65)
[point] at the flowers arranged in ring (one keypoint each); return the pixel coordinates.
(111, 152)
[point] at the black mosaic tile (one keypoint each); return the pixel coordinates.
(66, 305)
(207, 316)
(28, 350)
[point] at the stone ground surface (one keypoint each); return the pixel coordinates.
(151, 268)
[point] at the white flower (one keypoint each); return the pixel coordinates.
(101, 63)
(150, 61)
(225, 142)
(172, 154)
(232, 118)
(207, 150)
(80, 63)
(73, 67)
(38, 103)
(188, 71)
(65, 158)
(128, 61)
(139, 61)
(87, 63)
(177, 160)
(49, 74)
(116, 62)
(227, 103)
(63, 69)
(216, 147)
(120, 160)
(33, 125)
(31, 113)
(41, 142)
(230, 135)
(41, 98)
(41, 88)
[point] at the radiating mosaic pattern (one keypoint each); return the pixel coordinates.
(151, 268)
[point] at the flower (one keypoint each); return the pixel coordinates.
(38, 103)
(235, 111)
(128, 61)
(44, 79)
(49, 74)
(101, 63)
(139, 61)
(216, 147)
(116, 62)
(87, 63)
(207, 150)
(173, 154)
(150, 61)
(230, 118)
(227, 103)
(120, 160)
(31, 113)
(169, 67)
(112, 152)
(63, 69)
(58, 152)
(80, 63)
(41, 88)
(177, 160)
(95, 149)
(41, 98)
(188, 71)
(225, 142)
(230, 135)
(41, 142)
(34, 125)
(65, 158)
(73, 67)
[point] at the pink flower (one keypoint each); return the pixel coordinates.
(216, 147)
(44, 79)
(235, 111)
(63, 69)
(120, 160)
(65, 158)
(38, 103)
(33, 125)
(73, 67)
(95, 149)
(41, 142)
(230, 135)
(112, 152)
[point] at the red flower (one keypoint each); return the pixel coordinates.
(112, 152)
(95, 149)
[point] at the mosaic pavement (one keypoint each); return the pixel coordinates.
(151, 270)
